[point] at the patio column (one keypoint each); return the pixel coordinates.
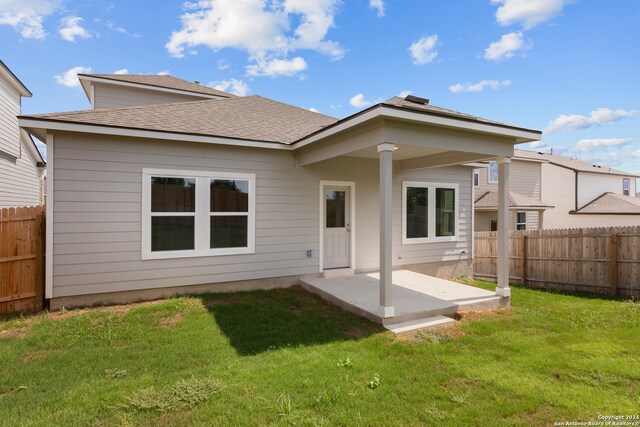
(504, 221)
(385, 151)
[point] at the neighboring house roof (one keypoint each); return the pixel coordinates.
(8, 74)
(250, 118)
(489, 201)
(570, 163)
(610, 203)
(33, 148)
(161, 81)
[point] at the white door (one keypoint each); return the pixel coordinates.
(337, 231)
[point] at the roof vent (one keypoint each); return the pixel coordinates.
(196, 82)
(416, 99)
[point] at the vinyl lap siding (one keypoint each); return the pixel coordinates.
(9, 110)
(20, 181)
(97, 205)
(112, 96)
(592, 185)
(524, 178)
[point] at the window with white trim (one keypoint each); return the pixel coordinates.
(492, 175)
(626, 186)
(521, 221)
(196, 213)
(429, 212)
(476, 178)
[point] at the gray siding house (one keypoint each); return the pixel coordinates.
(555, 191)
(21, 165)
(229, 193)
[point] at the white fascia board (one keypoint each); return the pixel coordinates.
(138, 133)
(92, 80)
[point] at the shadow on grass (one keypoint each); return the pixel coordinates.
(554, 291)
(260, 321)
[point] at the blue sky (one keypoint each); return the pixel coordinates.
(569, 67)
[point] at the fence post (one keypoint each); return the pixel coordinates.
(39, 228)
(613, 264)
(523, 260)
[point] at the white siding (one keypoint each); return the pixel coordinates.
(97, 205)
(524, 178)
(592, 185)
(20, 181)
(9, 111)
(558, 190)
(113, 96)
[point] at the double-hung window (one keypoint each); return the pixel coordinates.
(521, 220)
(626, 186)
(493, 172)
(429, 212)
(196, 213)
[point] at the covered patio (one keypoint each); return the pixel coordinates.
(404, 135)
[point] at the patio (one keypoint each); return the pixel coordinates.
(419, 300)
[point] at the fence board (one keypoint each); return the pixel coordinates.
(21, 259)
(603, 260)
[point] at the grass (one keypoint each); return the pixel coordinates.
(285, 357)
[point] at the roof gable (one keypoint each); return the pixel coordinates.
(14, 81)
(570, 163)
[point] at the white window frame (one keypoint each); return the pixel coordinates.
(431, 212)
(521, 223)
(628, 189)
(202, 221)
(489, 173)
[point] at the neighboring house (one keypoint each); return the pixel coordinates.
(555, 191)
(230, 192)
(21, 165)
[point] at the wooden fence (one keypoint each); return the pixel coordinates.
(593, 260)
(22, 259)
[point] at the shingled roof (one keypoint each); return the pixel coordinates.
(163, 81)
(570, 163)
(489, 200)
(609, 203)
(251, 118)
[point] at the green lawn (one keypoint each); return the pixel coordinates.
(280, 357)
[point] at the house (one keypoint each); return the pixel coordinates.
(554, 191)
(21, 164)
(227, 192)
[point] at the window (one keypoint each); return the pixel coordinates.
(521, 221)
(493, 225)
(626, 186)
(429, 212)
(476, 178)
(493, 172)
(189, 213)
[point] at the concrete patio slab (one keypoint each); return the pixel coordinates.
(415, 296)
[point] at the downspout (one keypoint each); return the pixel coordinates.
(576, 192)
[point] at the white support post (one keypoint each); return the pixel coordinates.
(503, 289)
(385, 151)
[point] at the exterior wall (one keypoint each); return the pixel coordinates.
(114, 96)
(20, 179)
(592, 185)
(558, 187)
(21, 182)
(483, 220)
(9, 112)
(97, 214)
(524, 178)
(587, 221)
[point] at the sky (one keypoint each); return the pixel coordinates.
(570, 68)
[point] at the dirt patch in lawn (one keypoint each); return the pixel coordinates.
(14, 332)
(484, 314)
(434, 335)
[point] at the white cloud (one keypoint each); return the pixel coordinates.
(358, 101)
(528, 12)
(234, 86)
(27, 16)
(267, 30)
(313, 110)
(506, 47)
(480, 86)
(404, 93)
(378, 6)
(537, 144)
(277, 67)
(598, 117)
(424, 50)
(123, 71)
(164, 73)
(223, 64)
(70, 77)
(587, 145)
(71, 28)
